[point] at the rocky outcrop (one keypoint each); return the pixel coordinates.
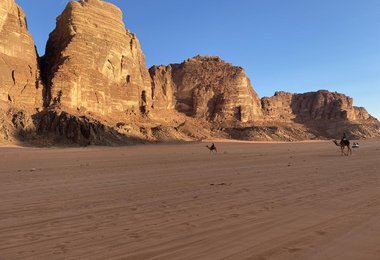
(360, 113)
(93, 65)
(19, 74)
(320, 105)
(163, 88)
(208, 88)
(60, 127)
(98, 91)
(278, 107)
(16, 125)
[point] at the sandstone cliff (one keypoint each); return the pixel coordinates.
(323, 114)
(93, 65)
(320, 105)
(97, 90)
(208, 88)
(19, 74)
(163, 88)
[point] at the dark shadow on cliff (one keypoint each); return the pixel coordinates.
(283, 133)
(213, 106)
(46, 95)
(56, 128)
(304, 114)
(64, 128)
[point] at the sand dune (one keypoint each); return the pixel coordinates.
(250, 201)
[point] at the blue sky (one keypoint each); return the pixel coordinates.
(292, 45)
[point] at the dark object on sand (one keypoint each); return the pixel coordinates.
(212, 148)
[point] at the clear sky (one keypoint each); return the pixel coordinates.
(292, 45)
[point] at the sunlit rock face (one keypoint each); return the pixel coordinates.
(94, 65)
(97, 90)
(207, 87)
(19, 74)
(320, 105)
(163, 88)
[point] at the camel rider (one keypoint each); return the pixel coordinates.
(344, 138)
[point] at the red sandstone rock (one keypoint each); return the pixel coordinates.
(209, 88)
(320, 105)
(163, 88)
(97, 88)
(19, 75)
(94, 65)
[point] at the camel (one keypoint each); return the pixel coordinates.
(212, 148)
(343, 144)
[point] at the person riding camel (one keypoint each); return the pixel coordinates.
(344, 138)
(212, 148)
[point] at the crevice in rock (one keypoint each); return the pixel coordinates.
(46, 94)
(131, 43)
(30, 70)
(14, 77)
(25, 86)
(97, 98)
(19, 14)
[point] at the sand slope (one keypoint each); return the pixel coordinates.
(251, 201)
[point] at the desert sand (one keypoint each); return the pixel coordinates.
(177, 201)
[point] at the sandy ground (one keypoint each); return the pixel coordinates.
(250, 201)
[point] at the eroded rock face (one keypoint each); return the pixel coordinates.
(320, 105)
(19, 75)
(163, 88)
(94, 65)
(207, 87)
(64, 128)
(97, 87)
(360, 113)
(278, 107)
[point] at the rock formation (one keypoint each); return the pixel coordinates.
(163, 88)
(360, 113)
(97, 90)
(59, 127)
(93, 65)
(19, 75)
(320, 105)
(207, 87)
